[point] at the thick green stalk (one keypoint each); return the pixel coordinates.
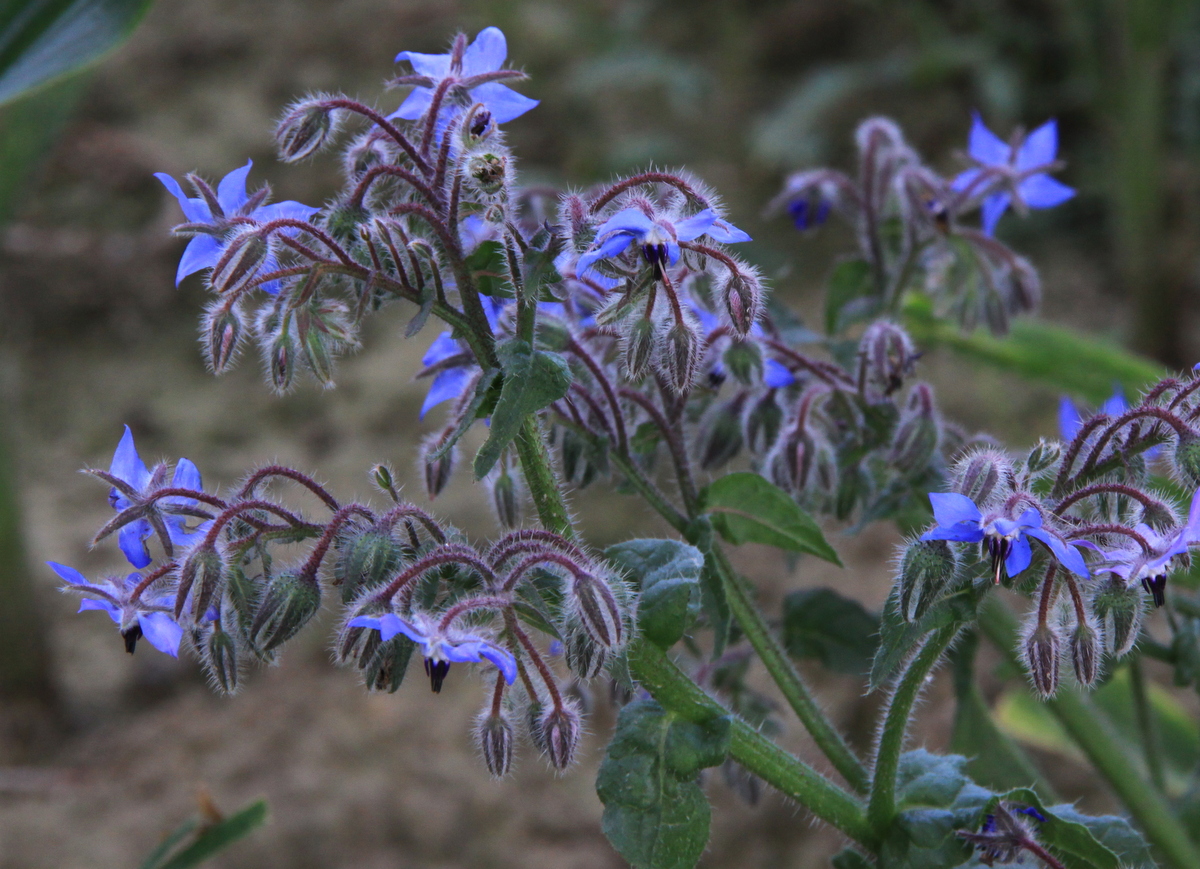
(540, 478)
(1094, 733)
(790, 775)
(785, 674)
(882, 807)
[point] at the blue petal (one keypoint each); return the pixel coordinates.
(1042, 191)
(1115, 404)
(195, 210)
(91, 603)
(1190, 533)
(1019, 557)
(432, 65)
(612, 246)
(504, 662)
(726, 233)
(1069, 420)
(672, 252)
(503, 102)
(231, 192)
(963, 532)
(391, 624)
(951, 508)
(993, 207)
(708, 321)
(443, 347)
(132, 540)
(1068, 556)
(202, 252)
(776, 375)
(70, 575)
(631, 220)
(1039, 147)
(446, 385)
(985, 146)
(289, 209)
(187, 476)
(127, 465)
(486, 53)
(161, 631)
(492, 309)
(695, 226)
(965, 179)
(414, 105)
(1031, 518)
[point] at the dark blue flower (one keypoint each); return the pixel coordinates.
(659, 239)
(1135, 565)
(1020, 171)
(440, 647)
(774, 374)
(804, 215)
(451, 379)
(135, 619)
(205, 249)
(1070, 419)
(958, 518)
(483, 57)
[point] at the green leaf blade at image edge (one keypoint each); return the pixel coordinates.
(42, 40)
(669, 574)
(655, 813)
(211, 840)
(746, 508)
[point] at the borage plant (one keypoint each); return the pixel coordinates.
(616, 334)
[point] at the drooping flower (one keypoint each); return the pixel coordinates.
(440, 647)
(149, 618)
(450, 361)
(128, 467)
(659, 239)
(1070, 419)
(1017, 173)
(210, 221)
(1006, 539)
(476, 76)
(1135, 565)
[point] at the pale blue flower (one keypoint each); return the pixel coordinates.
(144, 618)
(1134, 564)
(659, 239)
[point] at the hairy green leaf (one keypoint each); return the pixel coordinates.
(837, 631)
(747, 508)
(669, 574)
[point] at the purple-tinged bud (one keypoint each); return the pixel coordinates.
(886, 356)
(200, 577)
(1187, 459)
(1043, 457)
(639, 347)
(365, 559)
(1041, 651)
(742, 294)
(926, 569)
(288, 603)
(1086, 652)
(1119, 610)
(318, 354)
(478, 127)
(600, 612)
(306, 128)
(219, 656)
(507, 495)
(763, 421)
(721, 434)
(280, 359)
(584, 656)
(436, 470)
(678, 356)
(244, 255)
(995, 310)
(917, 434)
(495, 737)
(983, 476)
(384, 669)
(1026, 286)
(221, 335)
(487, 172)
(559, 728)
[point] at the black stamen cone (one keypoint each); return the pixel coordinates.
(656, 255)
(1157, 586)
(131, 637)
(436, 671)
(998, 548)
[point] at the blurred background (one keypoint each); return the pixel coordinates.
(101, 754)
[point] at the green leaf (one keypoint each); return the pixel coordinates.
(45, 39)
(837, 631)
(669, 573)
(210, 840)
(655, 813)
(1067, 360)
(28, 129)
(483, 391)
(487, 266)
(898, 638)
(849, 297)
(532, 380)
(748, 508)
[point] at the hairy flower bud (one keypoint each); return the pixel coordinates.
(741, 292)
(743, 360)
(559, 728)
(916, 436)
(280, 358)
(200, 578)
(1119, 610)
(600, 612)
(369, 150)
(926, 568)
(244, 254)
(365, 559)
(1043, 456)
(585, 657)
(306, 127)
(318, 354)
(384, 668)
(288, 603)
(983, 476)
(1187, 459)
(721, 435)
(639, 347)
(678, 355)
(487, 172)
(506, 497)
(495, 737)
(1040, 651)
(436, 470)
(886, 356)
(1085, 653)
(763, 420)
(220, 658)
(221, 334)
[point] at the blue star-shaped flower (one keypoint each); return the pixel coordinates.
(440, 647)
(205, 249)
(659, 238)
(1135, 565)
(477, 75)
(1022, 170)
(451, 379)
(958, 518)
(128, 467)
(135, 621)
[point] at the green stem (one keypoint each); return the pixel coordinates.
(1094, 733)
(791, 776)
(650, 492)
(541, 480)
(1145, 721)
(785, 674)
(882, 807)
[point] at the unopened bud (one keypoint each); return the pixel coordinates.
(436, 470)
(678, 356)
(742, 294)
(343, 222)
(1043, 456)
(220, 658)
(1119, 609)
(763, 421)
(318, 356)
(639, 347)
(599, 611)
(743, 359)
(200, 577)
(721, 437)
(244, 254)
(384, 669)
(495, 737)
(1187, 458)
(559, 728)
(584, 656)
(887, 356)
(1041, 651)
(506, 498)
(281, 361)
(983, 476)
(487, 172)
(305, 129)
(1085, 654)
(365, 560)
(363, 154)
(224, 328)
(288, 603)
(384, 479)
(926, 568)
(916, 437)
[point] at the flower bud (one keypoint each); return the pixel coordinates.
(1119, 610)
(307, 127)
(288, 603)
(280, 359)
(364, 153)
(200, 576)
(678, 355)
(220, 658)
(742, 294)
(1043, 457)
(318, 355)
(365, 560)
(559, 728)
(436, 470)
(1187, 459)
(487, 172)
(916, 436)
(384, 480)
(222, 332)
(384, 668)
(584, 656)
(1041, 651)
(983, 476)
(639, 347)
(495, 737)
(1085, 653)
(763, 421)
(244, 254)
(506, 498)
(926, 568)
(886, 356)
(721, 436)
(599, 611)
